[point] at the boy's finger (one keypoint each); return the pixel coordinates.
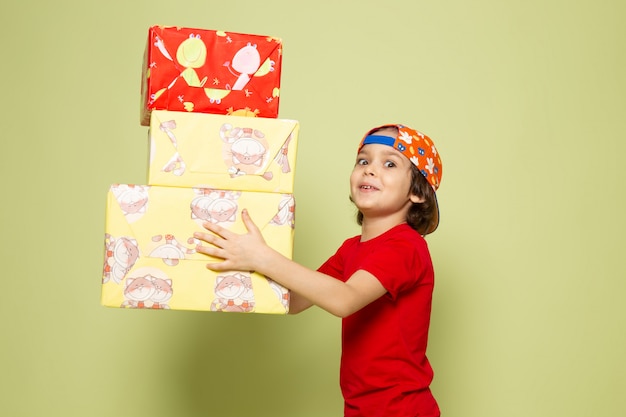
(207, 237)
(215, 252)
(217, 229)
(247, 220)
(217, 266)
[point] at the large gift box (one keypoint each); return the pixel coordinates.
(150, 254)
(227, 152)
(209, 71)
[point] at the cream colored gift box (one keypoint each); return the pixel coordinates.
(226, 152)
(150, 258)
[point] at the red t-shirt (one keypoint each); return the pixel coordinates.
(384, 369)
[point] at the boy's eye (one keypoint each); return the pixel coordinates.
(361, 161)
(390, 164)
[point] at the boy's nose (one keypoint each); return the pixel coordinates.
(369, 170)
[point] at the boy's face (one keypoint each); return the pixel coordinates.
(380, 182)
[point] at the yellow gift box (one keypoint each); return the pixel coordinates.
(226, 152)
(150, 258)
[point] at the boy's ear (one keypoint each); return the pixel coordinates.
(415, 199)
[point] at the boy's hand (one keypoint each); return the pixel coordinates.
(240, 252)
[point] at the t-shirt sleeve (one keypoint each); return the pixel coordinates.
(334, 266)
(398, 265)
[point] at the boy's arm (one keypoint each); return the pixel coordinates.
(249, 252)
(297, 303)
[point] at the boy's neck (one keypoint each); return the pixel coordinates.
(371, 228)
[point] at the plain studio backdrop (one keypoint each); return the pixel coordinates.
(526, 102)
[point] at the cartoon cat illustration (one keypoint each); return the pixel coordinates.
(245, 151)
(162, 293)
(282, 156)
(137, 291)
(172, 251)
(120, 255)
(132, 199)
(233, 293)
(215, 206)
(176, 165)
(286, 212)
(281, 292)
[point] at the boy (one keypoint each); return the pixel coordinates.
(380, 282)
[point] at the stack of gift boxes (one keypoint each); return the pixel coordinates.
(210, 101)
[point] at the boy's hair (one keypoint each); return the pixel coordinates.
(423, 217)
(425, 173)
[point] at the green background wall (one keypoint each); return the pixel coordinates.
(527, 103)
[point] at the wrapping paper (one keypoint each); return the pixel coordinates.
(150, 259)
(216, 151)
(209, 71)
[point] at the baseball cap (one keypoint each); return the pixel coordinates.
(416, 146)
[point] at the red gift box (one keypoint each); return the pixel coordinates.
(209, 71)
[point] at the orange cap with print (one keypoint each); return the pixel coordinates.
(416, 146)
